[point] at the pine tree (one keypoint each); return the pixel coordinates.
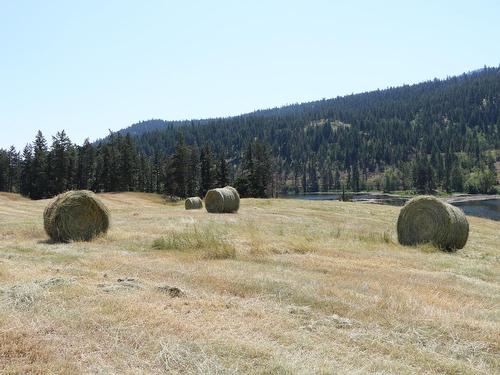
(256, 177)
(419, 174)
(431, 179)
(304, 177)
(193, 173)
(127, 163)
(207, 173)
(423, 175)
(336, 180)
(355, 183)
(106, 168)
(114, 165)
(168, 174)
(72, 167)
(262, 174)
(85, 170)
(313, 176)
(348, 182)
(156, 173)
(60, 163)
(25, 173)
(180, 167)
(143, 174)
(39, 182)
(326, 178)
(13, 160)
(249, 168)
(244, 182)
(222, 172)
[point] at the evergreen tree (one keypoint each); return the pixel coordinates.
(336, 180)
(26, 184)
(419, 175)
(222, 177)
(262, 174)
(143, 174)
(39, 182)
(348, 182)
(207, 171)
(304, 177)
(156, 175)
(326, 179)
(168, 175)
(85, 173)
(313, 176)
(180, 167)
(257, 173)
(13, 164)
(106, 168)
(355, 183)
(59, 163)
(423, 175)
(193, 172)
(127, 163)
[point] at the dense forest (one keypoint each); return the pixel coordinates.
(42, 171)
(437, 135)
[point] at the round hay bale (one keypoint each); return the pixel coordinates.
(222, 200)
(76, 216)
(427, 219)
(193, 203)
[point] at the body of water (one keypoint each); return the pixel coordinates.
(488, 208)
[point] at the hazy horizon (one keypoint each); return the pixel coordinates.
(90, 67)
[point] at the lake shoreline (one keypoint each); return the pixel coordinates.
(471, 198)
(455, 198)
(479, 205)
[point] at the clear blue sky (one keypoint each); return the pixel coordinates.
(93, 65)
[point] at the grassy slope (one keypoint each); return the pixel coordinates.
(282, 287)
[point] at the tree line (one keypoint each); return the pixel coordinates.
(115, 164)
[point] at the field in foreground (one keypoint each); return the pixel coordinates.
(282, 287)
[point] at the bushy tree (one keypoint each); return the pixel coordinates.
(481, 181)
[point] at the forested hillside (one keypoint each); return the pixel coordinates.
(442, 126)
(436, 135)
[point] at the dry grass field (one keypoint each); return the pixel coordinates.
(282, 287)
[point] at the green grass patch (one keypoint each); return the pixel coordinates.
(209, 241)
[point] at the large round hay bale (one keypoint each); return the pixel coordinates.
(193, 203)
(427, 219)
(76, 216)
(222, 200)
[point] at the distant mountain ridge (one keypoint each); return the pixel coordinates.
(146, 126)
(364, 100)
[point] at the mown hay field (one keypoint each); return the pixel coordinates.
(282, 287)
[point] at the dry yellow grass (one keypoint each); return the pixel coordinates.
(282, 287)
